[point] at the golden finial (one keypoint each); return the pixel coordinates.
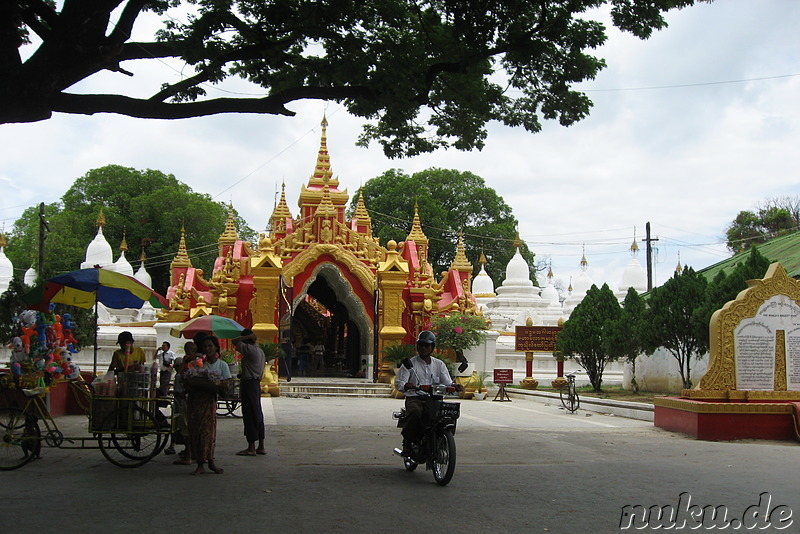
(124, 245)
(101, 219)
(518, 241)
(3, 241)
(143, 257)
(679, 268)
(584, 263)
(482, 260)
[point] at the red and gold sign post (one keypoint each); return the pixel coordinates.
(501, 378)
(530, 339)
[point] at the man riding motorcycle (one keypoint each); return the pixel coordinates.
(425, 370)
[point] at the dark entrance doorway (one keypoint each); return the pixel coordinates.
(331, 330)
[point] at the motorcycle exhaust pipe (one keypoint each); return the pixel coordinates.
(398, 451)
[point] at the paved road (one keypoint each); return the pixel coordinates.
(523, 466)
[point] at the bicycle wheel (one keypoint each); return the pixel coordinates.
(227, 407)
(444, 457)
(569, 398)
(130, 437)
(20, 439)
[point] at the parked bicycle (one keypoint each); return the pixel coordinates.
(569, 395)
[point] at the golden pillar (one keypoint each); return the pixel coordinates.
(392, 279)
(266, 269)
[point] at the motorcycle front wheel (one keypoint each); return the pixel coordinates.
(409, 464)
(444, 457)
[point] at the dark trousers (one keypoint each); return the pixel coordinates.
(252, 415)
(417, 415)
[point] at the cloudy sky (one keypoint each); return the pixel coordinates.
(689, 127)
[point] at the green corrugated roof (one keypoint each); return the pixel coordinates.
(785, 249)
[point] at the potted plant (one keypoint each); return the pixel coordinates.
(395, 354)
(458, 332)
(272, 351)
(232, 358)
(478, 383)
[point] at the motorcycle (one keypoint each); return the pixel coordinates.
(437, 447)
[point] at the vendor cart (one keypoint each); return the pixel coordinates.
(128, 427)
(230, 403)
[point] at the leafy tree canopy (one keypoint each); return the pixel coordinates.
(673, 320)
(772, 218)
(426, 74)
(147, 207)
(586, 332)
(449, 201)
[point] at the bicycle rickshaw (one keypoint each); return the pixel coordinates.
(124, 422)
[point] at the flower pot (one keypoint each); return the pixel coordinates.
(479, 395)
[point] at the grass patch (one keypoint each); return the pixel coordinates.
(614, 393)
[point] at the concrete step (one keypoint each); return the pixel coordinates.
(335, 389)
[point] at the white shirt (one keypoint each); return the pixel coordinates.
(422, 374)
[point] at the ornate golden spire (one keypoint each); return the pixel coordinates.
(229, 236)
(124, 245)
(362, 215)
(326, 207)
(517, 241)
(550, 273)
(101, 219)
(482, 260)
(280, 214)
(3, 241)
(679, 268)
(417, 235)
(322, 170)
(460, 262)
(143, 257)
(182, 258)
(584, 263)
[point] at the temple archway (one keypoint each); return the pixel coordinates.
(327, 310)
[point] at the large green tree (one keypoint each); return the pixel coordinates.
(674, 320)
(585, 333)
(772, 218)
(449, 202)
(147, 207)
(399, 64)
(624, 337)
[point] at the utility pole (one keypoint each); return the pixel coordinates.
(648, 240)
(43, 229)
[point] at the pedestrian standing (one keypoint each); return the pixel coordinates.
(252, 368)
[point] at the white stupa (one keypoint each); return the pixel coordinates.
(141, 274)
(517, 297)
(6, 267)
(482, 285)
(30, 277)
(578, 288)
(633, 276)
(99, 251)
(122, 265)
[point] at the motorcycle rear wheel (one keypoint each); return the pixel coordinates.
(444, 457)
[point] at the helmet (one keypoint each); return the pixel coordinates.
(426, 337)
